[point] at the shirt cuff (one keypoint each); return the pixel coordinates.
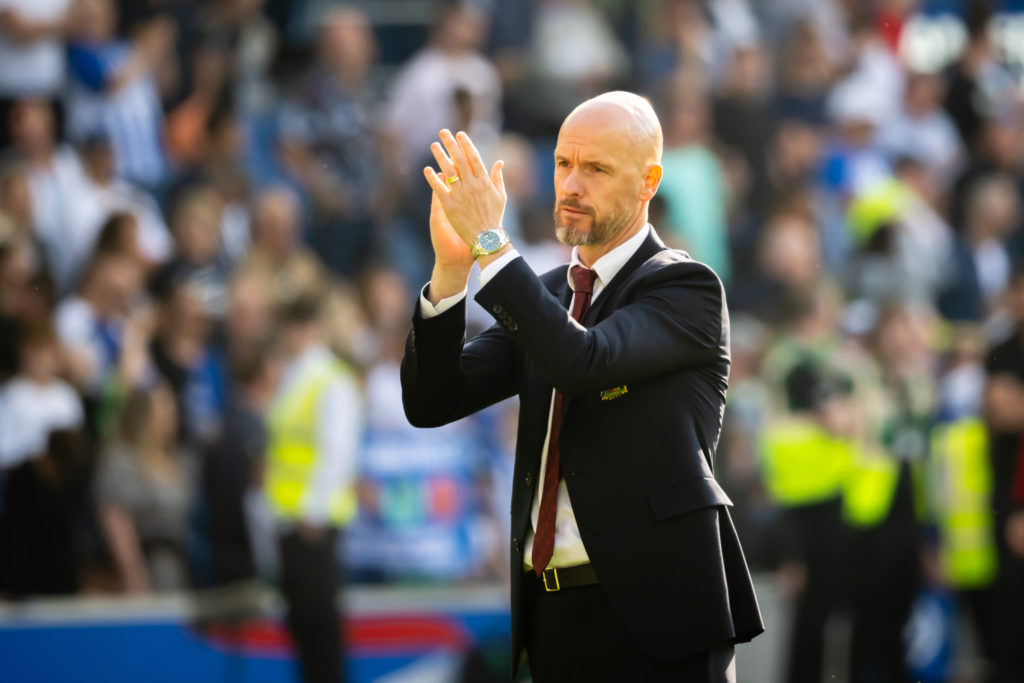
(494, 266)
(429, 310)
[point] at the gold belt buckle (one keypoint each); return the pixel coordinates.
(554, 573)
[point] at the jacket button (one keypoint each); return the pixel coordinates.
(497, 308)
(515, 543)
(528, 478)
(514, 327)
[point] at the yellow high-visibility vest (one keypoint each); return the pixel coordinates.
(869, 489)
(967, 550)
(293, 454)
(802, 463)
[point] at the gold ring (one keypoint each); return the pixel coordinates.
(453, 179)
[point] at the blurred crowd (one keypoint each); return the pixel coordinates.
(179, 179)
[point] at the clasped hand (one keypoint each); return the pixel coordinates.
(467, 199)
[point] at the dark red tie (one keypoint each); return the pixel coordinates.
(544, 538)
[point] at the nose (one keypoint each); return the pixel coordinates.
(571, 186)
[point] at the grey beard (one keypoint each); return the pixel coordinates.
(602, 232)
(575, 238)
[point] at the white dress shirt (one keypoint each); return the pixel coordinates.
(569, 550)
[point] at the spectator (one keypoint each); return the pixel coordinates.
(231, 53)
(277, 255)
(787, 267)
(41, 518)
(924, 130)
(36, 401)
(573, 55)
(112, 90)
(143, 486)
(17, 218)
(743, 117)
(693, 184)
(223, 169)
(31, 53)
(1000, 150)
(232, 469)
(978, 87)
(886, 547)
(183, 355)
(111, 195)
(250, 321)
(37, 473)
(195, 224)
(422, 100)
(682, 40)
(904, 247)
(120, 235)
(315, 426)
(981, 261)
(90, 324)
(58, 187)
(330, 142)
(1003, 406)
(806, 72)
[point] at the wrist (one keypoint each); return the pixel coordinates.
(488, 242)
(446, 281)
(486, 259)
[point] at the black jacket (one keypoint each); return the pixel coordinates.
(637, 460)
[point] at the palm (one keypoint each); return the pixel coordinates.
(449, 249)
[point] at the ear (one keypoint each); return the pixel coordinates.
(652, 179)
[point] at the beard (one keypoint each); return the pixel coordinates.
(569, 233)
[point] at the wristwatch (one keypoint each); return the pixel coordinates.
(488, 242)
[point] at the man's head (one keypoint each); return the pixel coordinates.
(95, 20)
(277, 221)
(607, 168)
(347, 45)
(460, 29)
(111, 282)
(299, 326)
(33, 126)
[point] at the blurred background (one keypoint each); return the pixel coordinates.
(180, 178)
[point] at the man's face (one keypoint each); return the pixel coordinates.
(598, 180)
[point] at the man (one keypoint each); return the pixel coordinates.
(1003, 409)
(315, 424)
(625, 563)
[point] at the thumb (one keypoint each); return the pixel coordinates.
(496, 177)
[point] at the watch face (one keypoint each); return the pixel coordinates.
(490, 241)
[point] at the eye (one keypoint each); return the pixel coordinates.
(562, 163)
(598, 169)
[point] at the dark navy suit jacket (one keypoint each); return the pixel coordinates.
(644, 380)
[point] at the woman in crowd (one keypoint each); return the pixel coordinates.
(142, 492)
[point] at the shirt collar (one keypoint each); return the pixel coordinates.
(608, 266)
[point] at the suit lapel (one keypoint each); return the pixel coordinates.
(648, 248)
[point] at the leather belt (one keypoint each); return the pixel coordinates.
(557, 578)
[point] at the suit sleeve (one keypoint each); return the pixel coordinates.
(673, 321)
(444, 378)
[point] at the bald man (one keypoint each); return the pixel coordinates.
(625, 562)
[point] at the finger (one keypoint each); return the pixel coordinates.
(456, 154)
(436, 182)
(476, 162)
(447, 167)
(496, 177)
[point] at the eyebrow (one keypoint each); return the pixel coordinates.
(603, 163)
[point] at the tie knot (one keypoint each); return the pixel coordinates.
(582, 279)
